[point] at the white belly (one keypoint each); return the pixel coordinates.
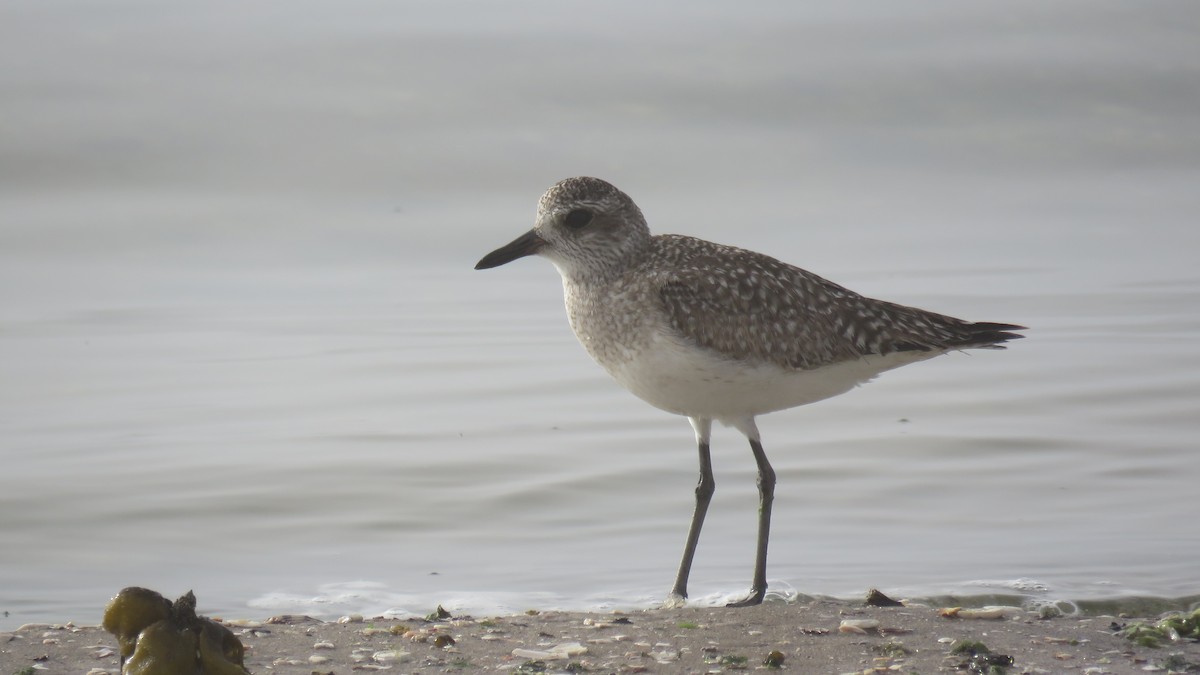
(697, 383)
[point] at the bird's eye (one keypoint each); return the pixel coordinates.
(577, 218)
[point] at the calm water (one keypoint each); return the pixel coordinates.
(243, 351)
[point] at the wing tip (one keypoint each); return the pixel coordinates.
(991, 335)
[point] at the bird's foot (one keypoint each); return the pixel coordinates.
(755, 598)
(674, 601)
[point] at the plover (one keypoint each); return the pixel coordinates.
(714, 332)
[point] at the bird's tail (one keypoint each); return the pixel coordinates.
(985, 335)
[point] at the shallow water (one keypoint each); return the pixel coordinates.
(244, 352)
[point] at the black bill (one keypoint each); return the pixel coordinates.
(526, 244)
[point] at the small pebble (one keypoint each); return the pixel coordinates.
(443, 641)
(994, 612)
(859, 626)
(390, 656)
(570, 649)
(665, 656)
(562, 651)
(317, 659)
(324, 645)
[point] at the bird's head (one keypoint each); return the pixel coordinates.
(585, 226)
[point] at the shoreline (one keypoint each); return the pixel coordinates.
(812, 636)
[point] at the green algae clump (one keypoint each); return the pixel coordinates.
(133, 610)
(1168, 629)
(157, 637)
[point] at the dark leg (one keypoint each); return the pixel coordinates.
(704, 493)
(766, 494)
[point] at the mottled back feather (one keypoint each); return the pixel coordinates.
(751, 307)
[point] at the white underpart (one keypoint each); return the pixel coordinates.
(696, 382)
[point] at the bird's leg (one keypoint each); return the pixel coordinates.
(704, 493)
(766, 495)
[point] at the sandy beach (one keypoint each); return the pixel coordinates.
(818, 636)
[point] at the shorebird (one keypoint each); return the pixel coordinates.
(714, 332)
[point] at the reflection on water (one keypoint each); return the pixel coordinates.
(244, 352)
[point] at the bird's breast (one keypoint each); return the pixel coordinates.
(613, 324)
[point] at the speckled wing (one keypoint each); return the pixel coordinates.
(753, 308)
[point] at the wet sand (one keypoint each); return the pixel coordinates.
(806, 638)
